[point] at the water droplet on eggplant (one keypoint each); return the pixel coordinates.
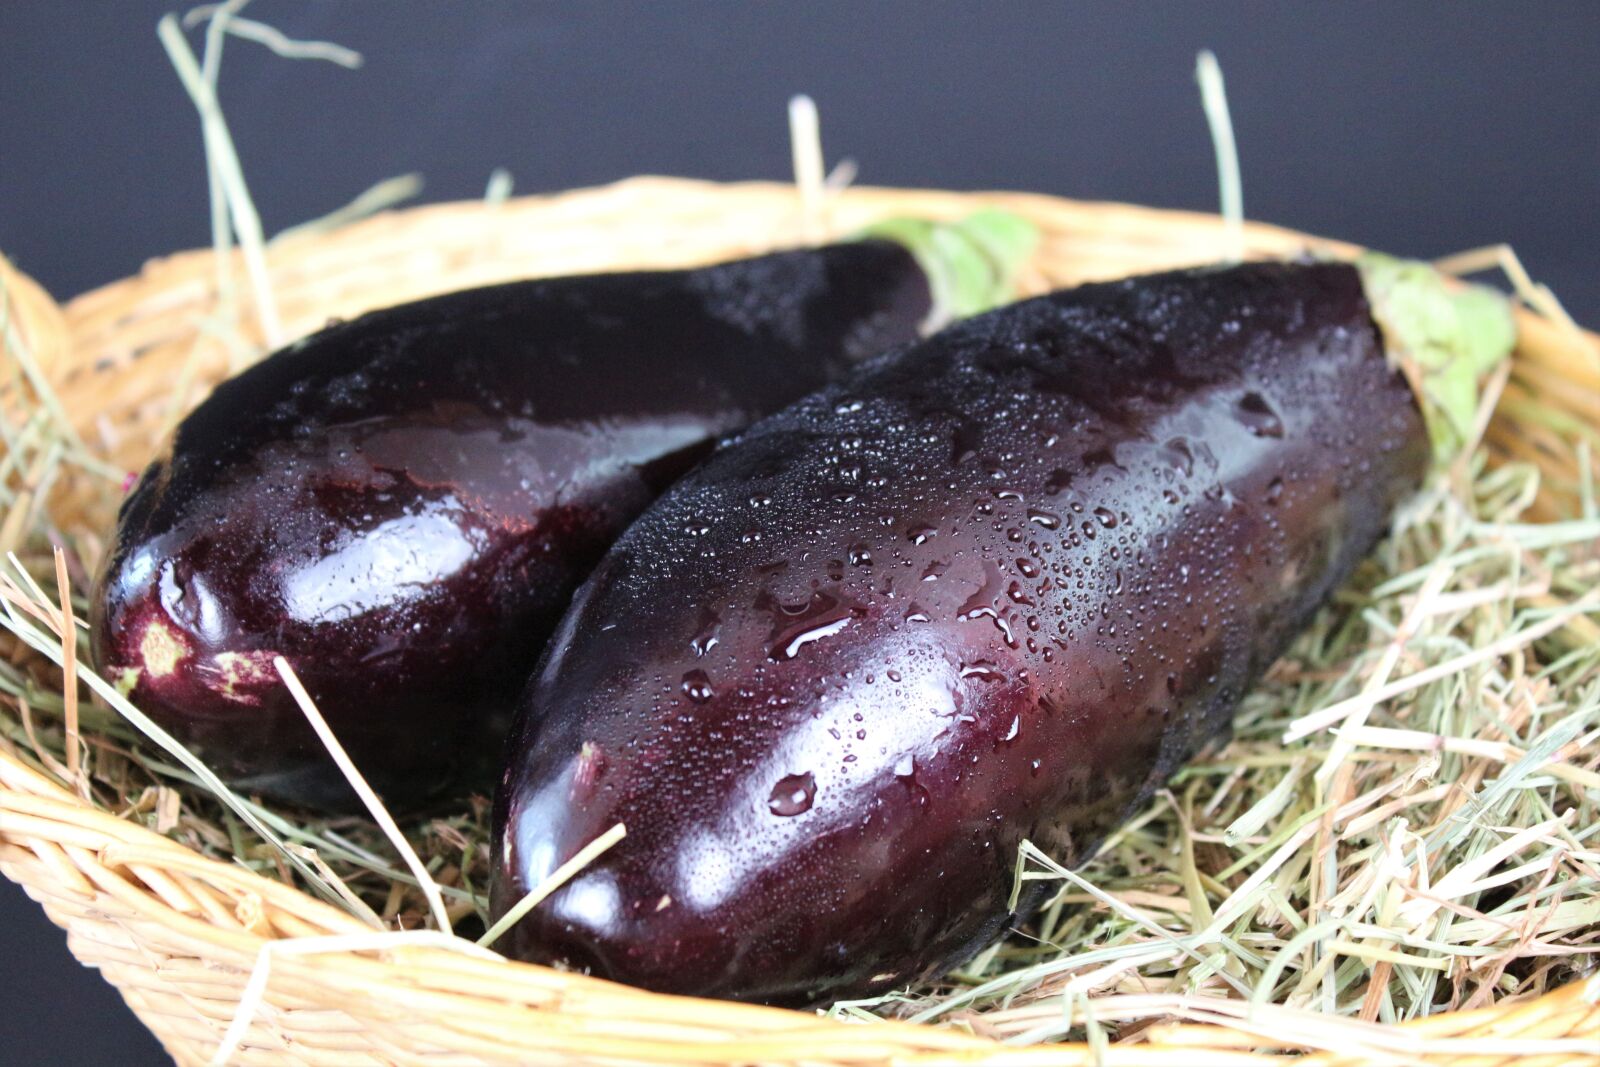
(792, 795)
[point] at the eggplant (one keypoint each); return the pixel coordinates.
(996, 586)
(401, 505)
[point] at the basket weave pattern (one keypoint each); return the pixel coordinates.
(178, 934)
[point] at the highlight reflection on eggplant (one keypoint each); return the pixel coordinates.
(995, 587)
(401, 505)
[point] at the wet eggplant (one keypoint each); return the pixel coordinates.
(402, 504)
(997, 586)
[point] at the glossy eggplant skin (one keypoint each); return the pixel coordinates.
(997, 586)
(401, 505)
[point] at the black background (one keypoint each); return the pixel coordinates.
(1418, 128)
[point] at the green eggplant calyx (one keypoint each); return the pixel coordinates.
(1447, 338)
(971, 263)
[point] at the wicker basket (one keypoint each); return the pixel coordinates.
(179, 934)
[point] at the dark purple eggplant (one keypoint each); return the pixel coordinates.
(994, 587)
(401, 505)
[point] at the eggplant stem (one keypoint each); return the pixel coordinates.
(971, 264)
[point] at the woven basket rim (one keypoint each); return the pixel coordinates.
(82, 863)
